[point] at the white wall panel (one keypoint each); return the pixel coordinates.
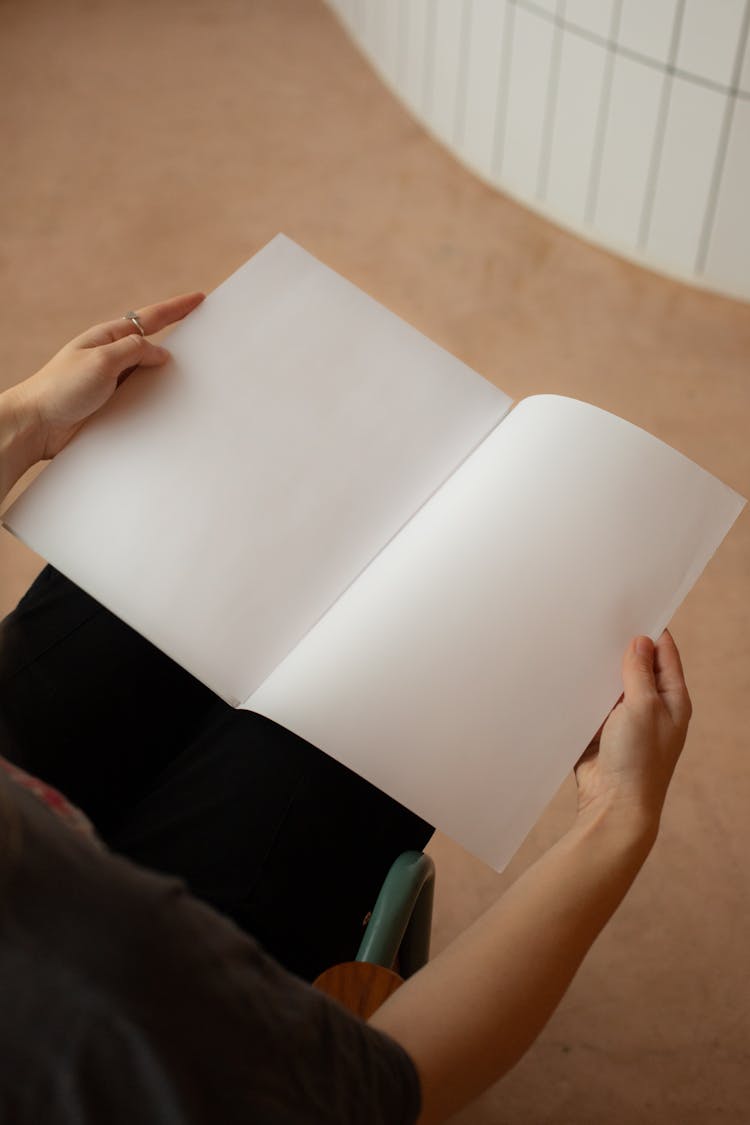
(709, 38)
(485, 51)
(575, 126)
(390, 15)
(415, 33)
(593, 15)
(729, 243)
(646, 27)
(527, 102)
(744, 82)
(627, 151)
(682, 193)
(448, 60)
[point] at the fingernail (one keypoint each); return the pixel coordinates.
(644, 646)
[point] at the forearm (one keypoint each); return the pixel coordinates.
(19, 444)
(470, 1014)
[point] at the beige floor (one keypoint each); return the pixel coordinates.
(150, 148)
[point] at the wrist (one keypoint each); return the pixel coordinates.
(617, 827)
(20, 437)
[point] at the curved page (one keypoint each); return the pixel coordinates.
(468, 667)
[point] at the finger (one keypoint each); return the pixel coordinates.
(594, 743)
(161, 315)
(131, 351)
(589, 753)
(126, 374)
(638, 670)
(670, 678)
(152, 317)
(162, 355)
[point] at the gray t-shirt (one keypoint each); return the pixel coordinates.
(123, 999)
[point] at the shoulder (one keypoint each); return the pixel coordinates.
(124, 986)
(304, 1056)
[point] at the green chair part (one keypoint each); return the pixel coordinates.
(401, 920)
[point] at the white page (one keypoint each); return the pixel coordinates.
(221, 504)
(467, 669)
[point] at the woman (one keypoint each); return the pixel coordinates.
(129, 998)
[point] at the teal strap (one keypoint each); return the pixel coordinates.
(402, 917)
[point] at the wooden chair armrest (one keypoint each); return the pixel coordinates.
(359, 985)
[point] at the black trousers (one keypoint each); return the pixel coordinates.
(259, 823)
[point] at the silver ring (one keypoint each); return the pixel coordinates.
(134, 317)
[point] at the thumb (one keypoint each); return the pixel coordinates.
(132, 350)
(638, 670)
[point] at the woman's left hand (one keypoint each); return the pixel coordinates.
(627, 767)
(52, 405)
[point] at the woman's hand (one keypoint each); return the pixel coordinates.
(51, 406)
(628, 765)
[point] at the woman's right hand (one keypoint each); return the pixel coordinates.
(627, 768)
(39, 416)
(85, 373)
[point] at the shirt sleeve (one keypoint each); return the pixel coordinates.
(248, 1041)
